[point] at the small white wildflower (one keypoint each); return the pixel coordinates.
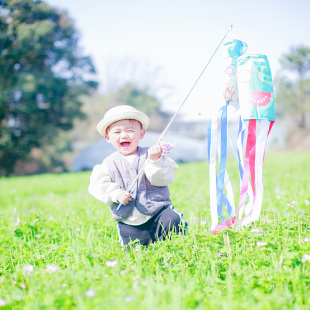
(292, 204)
(203, 223)
(256, 230)
(2, 279)
(2, 302)
(259, 243)
(40, 256)
(78, 229)
(28, 268)
(306, 239)
(278, 197)
(305, 258)
(219, 254)
(128, 298)
(123, 272)
(144, 283)
(90, 293)
(195, 220)
(22, 286)
(14, 282)
(64, 285)
(52, 268)
(111, 263)
(277, 189)
(38, 236)
(303, 211)
(307, 202)
(51, 218)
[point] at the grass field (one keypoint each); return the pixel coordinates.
(60, 248)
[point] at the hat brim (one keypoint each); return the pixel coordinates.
(136, 115)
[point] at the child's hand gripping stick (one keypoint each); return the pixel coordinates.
(120, 205)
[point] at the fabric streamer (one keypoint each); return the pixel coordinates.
(231, 51)
(248, 92)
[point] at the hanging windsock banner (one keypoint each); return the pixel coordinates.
(255, 87)
(248, 94)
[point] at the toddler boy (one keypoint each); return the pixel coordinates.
(147, 214)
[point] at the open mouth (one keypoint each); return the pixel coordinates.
(260, 98)
(125, 145)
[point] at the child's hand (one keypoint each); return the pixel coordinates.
(155, 152)
(123, 197)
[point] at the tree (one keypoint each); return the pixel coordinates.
(42, 77)
(293, 92)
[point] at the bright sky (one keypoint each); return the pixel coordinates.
(180, 36)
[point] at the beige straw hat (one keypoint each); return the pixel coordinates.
(121, 112)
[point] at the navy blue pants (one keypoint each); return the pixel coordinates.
(157, 228)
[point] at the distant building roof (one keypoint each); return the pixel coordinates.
(187, 150)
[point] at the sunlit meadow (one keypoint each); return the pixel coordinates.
(59, 247)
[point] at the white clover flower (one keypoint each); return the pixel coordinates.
(64, 285)
(259, 243)
(52, 268)
(28, 268)
(256, 230)
(38, 236)
(111, 263)
(40, 256)
(128, 298)
(51, 218)
(2, 302)
(307, 202)
(78, 229)
(203, 223)
(306, 239)
(305, 258)
(90, 293)
(23, 286)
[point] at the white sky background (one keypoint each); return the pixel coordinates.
(180, 36)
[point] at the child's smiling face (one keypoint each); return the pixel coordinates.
(124, 135)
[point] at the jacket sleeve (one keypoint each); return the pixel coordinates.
(101, 186)
(161, 171)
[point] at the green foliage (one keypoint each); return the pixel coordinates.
(42, 76)
(142, 100)
(69, 238)
(297, 61)
(293, 95)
